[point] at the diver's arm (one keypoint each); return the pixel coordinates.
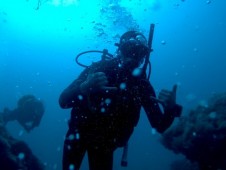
(72, 93)
(159, 120)
(67, 97)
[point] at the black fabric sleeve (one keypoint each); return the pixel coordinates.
(71, 94)
(158, 119)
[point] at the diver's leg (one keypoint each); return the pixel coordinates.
(73, 153)
(100, 159)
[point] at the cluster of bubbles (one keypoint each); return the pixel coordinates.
(114, 16)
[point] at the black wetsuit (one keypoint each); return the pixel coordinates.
(101, 122)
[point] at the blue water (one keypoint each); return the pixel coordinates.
(38, 47)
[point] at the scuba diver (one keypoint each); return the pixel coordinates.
(106, 101)
(16, 154)
(28, 113)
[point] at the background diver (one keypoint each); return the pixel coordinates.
(28, 113)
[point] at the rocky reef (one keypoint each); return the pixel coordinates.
(201, 135)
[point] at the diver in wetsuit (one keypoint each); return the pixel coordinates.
(106, 100)
(28, 113)
(16, 154)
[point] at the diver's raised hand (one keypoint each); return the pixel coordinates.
(95, 82)
(167, 98)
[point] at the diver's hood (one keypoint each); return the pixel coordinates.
(133, 44)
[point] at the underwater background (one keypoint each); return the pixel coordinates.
(39, 41)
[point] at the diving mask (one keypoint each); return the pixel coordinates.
(133, 44)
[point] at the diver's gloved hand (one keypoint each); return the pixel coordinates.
(168, 100)
(95, 82)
